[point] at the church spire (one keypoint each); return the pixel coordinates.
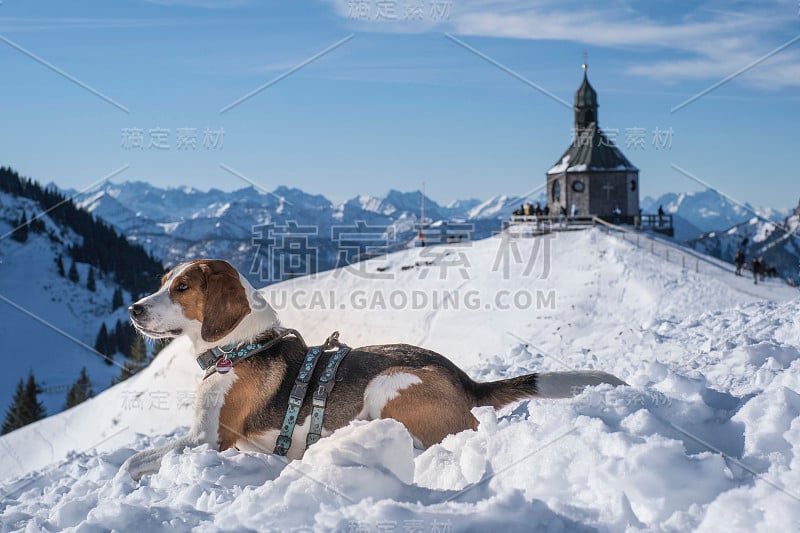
(585, 101)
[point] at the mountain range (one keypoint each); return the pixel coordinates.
(245, 225)
(695, 213)
(778, 243)
(179, 223)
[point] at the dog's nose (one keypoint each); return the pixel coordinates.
(136, 310)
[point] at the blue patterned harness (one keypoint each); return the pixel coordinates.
(320, 398)
(237, 353)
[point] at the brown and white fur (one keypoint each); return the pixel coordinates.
(213, 305)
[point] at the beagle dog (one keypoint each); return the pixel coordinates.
(211, 303)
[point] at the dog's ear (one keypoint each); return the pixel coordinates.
(225, 300)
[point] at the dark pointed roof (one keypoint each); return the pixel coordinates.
(601, 154)
(591, 150)
(586, 96)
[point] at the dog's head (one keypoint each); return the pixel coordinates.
(205, 299)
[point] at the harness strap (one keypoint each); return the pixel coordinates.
(326, 383)
(296, 398)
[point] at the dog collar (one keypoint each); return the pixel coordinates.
(232, 352)
(223, 358)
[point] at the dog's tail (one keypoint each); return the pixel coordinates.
(540, 385)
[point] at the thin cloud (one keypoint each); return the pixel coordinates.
(707, 43)
(206, 4)
(21, 24)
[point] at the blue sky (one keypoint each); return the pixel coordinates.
(399, 103)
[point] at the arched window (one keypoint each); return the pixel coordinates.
(633, 185)
(556, 191)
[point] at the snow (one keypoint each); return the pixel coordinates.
(29, 283)
(497, 206)
(561, 166)
(706, 438)
(169, 227)
(564, 166)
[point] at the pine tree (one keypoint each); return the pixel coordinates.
(20, 233)
(26, 407)
(80, 391)
(137, 359)
(73, 273)
(122, 337)
(91, 284)
(117, 337)
(37, 225)
(14, 415)
(32, 391)
(60, 266)
(102, 344)
(117, 300)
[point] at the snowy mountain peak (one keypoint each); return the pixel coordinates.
(778, 243)
(496, 206)
(703, 211)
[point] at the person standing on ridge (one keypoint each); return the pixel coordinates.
(754, 264)
(738, 260)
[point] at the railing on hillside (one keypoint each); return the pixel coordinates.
(547, 223)
(445, 233)
(668, 252)
(539, 224)
(657, 223)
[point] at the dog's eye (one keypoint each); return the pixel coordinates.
(182, 286)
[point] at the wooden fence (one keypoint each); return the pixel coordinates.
(668, 253)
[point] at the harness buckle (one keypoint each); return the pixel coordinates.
(333, 340)
(282, 445)
(297, 402)
(206, 360)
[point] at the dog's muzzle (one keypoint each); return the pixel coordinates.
(137, 311)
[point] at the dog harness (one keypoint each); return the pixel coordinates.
(320, 398)
(221, 359)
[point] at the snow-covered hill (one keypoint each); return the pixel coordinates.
(777, 242)
(694, 213)
(37, 302)
(706, 438)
